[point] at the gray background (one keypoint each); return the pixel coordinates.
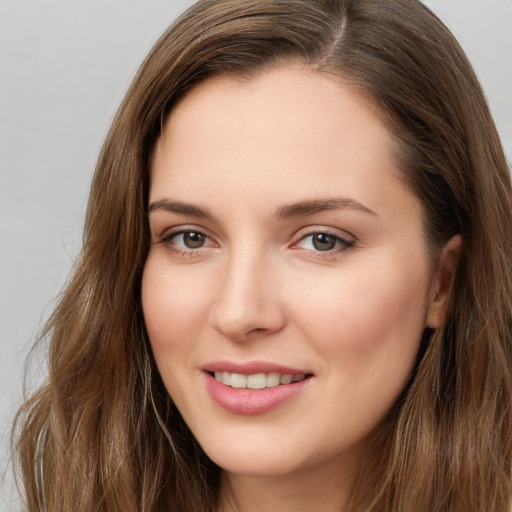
(64, 66)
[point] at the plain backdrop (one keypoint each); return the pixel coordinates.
(64, 66)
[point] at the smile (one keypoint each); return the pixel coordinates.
(257, 380)
(253, 388)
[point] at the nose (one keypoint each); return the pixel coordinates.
(248, 301)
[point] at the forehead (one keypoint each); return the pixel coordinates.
(278, 106)
(290, 87)
(287, 133)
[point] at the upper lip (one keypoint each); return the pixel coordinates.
(252, 367)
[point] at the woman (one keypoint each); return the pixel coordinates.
(294, 291)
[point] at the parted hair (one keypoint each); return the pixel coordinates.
(101, 433)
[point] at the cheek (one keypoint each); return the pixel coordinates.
(174, 313)
(367, 323)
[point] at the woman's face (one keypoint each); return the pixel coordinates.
(285, 247)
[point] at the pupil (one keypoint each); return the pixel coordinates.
(323, 242)
(193, 240)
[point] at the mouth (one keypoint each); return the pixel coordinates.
(257, 380)
(254, 388)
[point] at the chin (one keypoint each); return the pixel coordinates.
(263, 464)
(263, 456)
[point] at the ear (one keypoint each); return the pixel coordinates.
(443, 281)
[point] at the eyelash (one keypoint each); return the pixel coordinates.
(344, 244)
(167, 239)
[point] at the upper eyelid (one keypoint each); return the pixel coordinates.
(311, 230)
(176, 230)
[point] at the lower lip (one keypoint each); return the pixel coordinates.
(252, 401)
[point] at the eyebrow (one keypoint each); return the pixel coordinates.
(167, 205)
(302, 208)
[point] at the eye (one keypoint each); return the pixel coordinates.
(324, 242)
(190, 239)
(186, 241)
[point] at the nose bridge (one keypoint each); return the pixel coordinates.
(246, 301)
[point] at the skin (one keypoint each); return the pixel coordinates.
(258, 288)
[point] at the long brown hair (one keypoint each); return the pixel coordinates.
(112, 440)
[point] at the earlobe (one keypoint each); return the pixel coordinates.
(443, 281)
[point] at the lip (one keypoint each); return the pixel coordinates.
(252, 401)
(252, 367)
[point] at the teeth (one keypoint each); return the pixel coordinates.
(273, 380)
(286, 378)
(238, 380)
(257, 380)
